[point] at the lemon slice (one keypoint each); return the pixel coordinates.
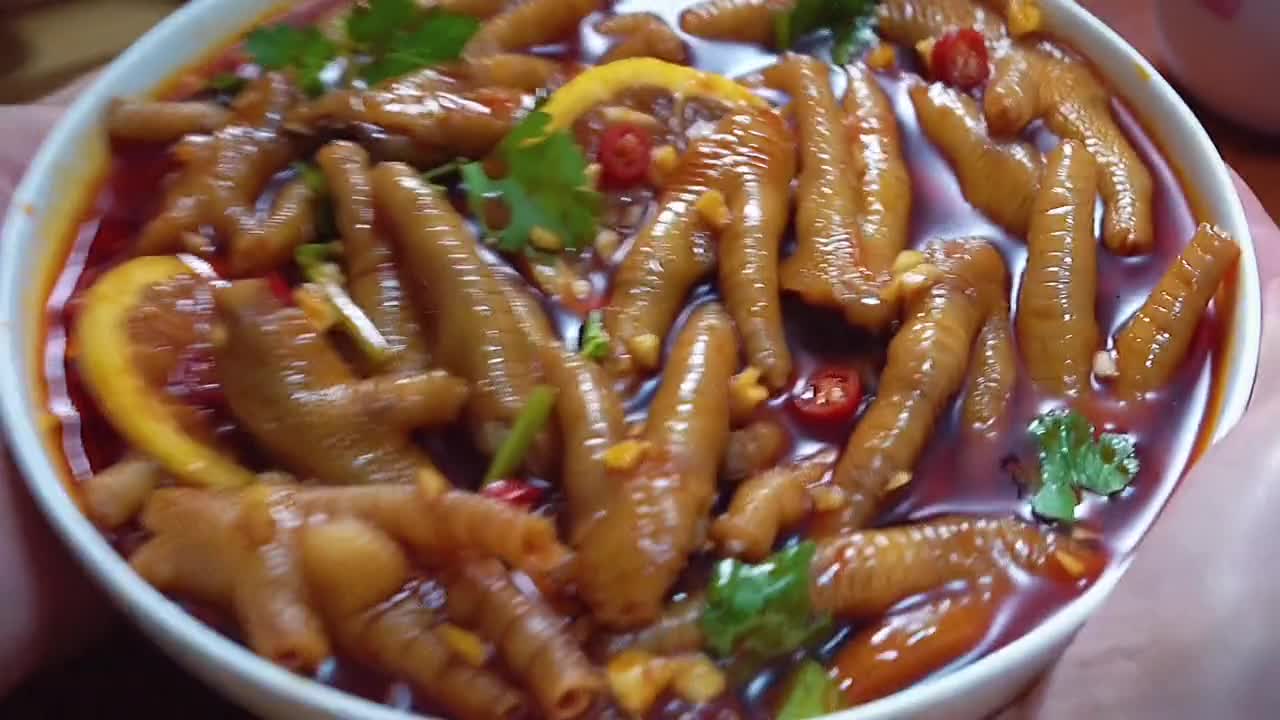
(603, 82)
(139, 411)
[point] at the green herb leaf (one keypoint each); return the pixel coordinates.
(1071, 459)
(534, 416)
(228, 83)
(373, 25)
(1055, 501)
(313, 177)
(852, 22)
(762, 611)
(399, 38)
(545, 186)
(813, 694)
(593, 343)
(304, 51)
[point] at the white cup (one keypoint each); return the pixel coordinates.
(1227, 54)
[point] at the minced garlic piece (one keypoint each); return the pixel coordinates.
(1025, 17)
(617, 115)
(466, 644)
(662, 162)
(900, 479)
(431, 483)
(646, 348)
(697, 679)
(882, 58)
(607, 243)
(625, 455)
(1104, 365)
(713, 209)
(637, 679)
(1070, 563)
(746, 394)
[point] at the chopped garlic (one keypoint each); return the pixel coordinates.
(1025, 17)
(882, 58)
(1104, 365)
(625, 455)
(607, 243)
(1069, 562)
(465, 644)
(900, 479)
(746, 394)
(697, 679)
(713, 209)
(646, 348)
(637, 679)
(662, 162)
(431, 483)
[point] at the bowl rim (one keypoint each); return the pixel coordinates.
(212, 655)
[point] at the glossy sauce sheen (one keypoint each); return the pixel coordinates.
(956, 474)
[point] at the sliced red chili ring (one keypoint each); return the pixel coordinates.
(831, 395)
(625, 150)
(960, 59)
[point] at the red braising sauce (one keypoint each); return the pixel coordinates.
(955, 475)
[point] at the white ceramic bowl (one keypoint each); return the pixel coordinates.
(43, 211)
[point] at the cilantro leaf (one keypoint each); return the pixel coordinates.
(813, 694)
(546, 186)
(764, 610)
(228, 83)
(399, 38)
(1055, 501)
(305, 51)
(852, 22)
(593, 343)
(374, 24)
(1071, 459)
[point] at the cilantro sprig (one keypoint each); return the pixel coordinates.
(545, 186)
(400, 37)
(762, 611)
(382, 39)
(304, 51)
(1072, 461)
(851, 22)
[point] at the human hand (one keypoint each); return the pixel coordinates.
(1190, 631)
(48, 608)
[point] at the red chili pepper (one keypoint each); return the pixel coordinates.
(624, 154)
(519, 493)
(960, 59)
(280, 287)
(831, 395)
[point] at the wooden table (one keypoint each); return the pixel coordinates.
(127, 675)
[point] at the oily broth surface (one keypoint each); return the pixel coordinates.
(954, 475)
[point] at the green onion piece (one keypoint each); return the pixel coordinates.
(534, 416)
(328, 278)
(813, 694)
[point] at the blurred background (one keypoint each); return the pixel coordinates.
(46, 43)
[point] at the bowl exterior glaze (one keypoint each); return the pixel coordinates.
(42, 214)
